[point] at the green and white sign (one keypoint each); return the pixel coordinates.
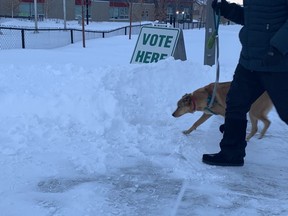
(156, 43)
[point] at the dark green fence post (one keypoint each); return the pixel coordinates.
(71, 36)
(23, 38)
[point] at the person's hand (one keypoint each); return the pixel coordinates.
(218, 5)
(273, 57)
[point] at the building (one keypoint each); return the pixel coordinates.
(185, 10)
(105, 10)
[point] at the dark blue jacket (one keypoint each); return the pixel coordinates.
(265, 25)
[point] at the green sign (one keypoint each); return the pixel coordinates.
(155, 43)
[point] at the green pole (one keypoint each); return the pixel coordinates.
(209, 53)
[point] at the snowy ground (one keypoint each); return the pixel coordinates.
(85, 133)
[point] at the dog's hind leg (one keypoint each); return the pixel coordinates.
(254, 127)
(266, 123)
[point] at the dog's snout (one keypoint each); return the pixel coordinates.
(175, 114)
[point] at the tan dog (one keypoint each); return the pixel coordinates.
(199, 100)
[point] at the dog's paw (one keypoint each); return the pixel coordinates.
(186, 132)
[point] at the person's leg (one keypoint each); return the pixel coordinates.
(277, 88)
(245, 89)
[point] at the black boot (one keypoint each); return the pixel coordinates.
(222, 128)
(232, 145)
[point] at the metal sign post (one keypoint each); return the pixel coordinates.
(209, 54)
(64, 13)
(35, 16)
(83, 25)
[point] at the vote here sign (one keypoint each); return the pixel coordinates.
(154, 44)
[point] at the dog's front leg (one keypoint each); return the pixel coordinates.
(202, 119)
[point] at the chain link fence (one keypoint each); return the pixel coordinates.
(17, 38)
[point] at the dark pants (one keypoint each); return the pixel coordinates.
(248, 85)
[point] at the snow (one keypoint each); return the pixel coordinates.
(85, 133)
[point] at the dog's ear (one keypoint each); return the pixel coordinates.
(186, 98)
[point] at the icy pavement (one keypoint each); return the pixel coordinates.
(158, 183)
(146, 189)
(177, 184)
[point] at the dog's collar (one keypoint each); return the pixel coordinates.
(207, 110)
(194, 104)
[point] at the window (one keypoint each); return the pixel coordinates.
(119, 10)
(78, 11)
(80, 2)
(27, 9)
